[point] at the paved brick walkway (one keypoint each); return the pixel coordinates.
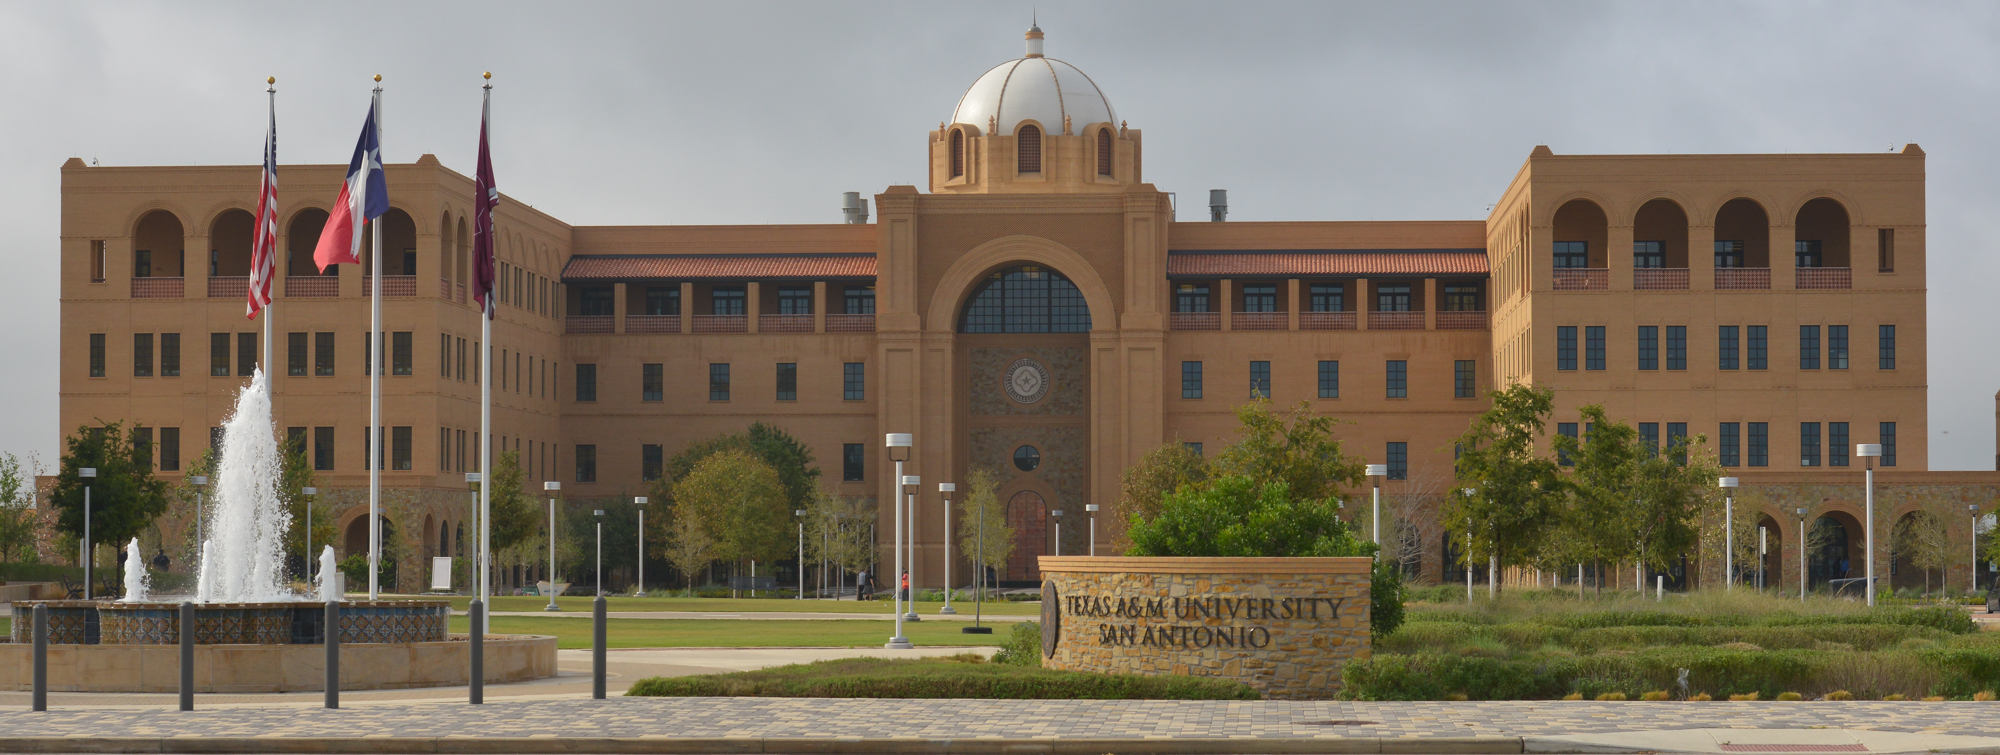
(973, 719)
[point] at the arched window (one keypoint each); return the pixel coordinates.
(1028, 146)
(1104, 152)
(957, 153)
(1026, 299)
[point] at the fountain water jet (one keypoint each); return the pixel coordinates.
(243, 560)
(328, 577)
(135, 574)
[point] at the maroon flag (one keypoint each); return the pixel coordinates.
(486, 197)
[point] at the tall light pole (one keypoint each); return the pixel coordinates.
(552, 486)
(1869, 451)
(599, 514)
(910, 485)
(1802, 554)
(1375, 474)
(1467, 492)
(899, 445)
(201, 481)
(1763, 554)
(308, 493)
(639, 501)
(801, 514)
(482, 568)
(1728, 485)
(1057, 516)
(1091, 509)
(945, 489)
(1973, 509)
(88, 474)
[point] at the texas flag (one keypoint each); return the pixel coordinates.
(364, 197)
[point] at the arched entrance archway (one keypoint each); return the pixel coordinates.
(1827, 552)
(1028, 516)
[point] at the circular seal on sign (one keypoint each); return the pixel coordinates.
(1051, 618)
(1026, 380)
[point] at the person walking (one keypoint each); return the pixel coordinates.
(906, 585)
(862, 590)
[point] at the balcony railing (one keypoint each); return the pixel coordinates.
(845, 323)
(652, 323)
(444, 288)
(1825, 277)
(1660, 279)
(392, 285)
(158, 288)
(784, 323)
(721, 324)
(312, 286)
(461, 294)
(1327, 321)
(1461, 321)
(1583, 279)
(590, 324)
(229, 287)
(1194, 320)
(1395, 321)
(1260, 320)
(1742, 278)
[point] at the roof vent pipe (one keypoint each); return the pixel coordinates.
(1218, 205)
(853, 209)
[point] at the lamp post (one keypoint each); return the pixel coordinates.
(1973, 510)
(307, 492)
(1728, 485)
(1802, 554)
(910, 485)
(88, 474)
(640, 502)
(1467, 492)
(599, 514)
(1057, 515)
(1091, 509)
(201, 481)
(552, 486)
(1763, 554)
(945, 489)
(801, 514)
(1375, 474)
(479, 566)
(899, 445)
(1869, 451)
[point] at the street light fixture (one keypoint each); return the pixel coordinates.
(1091, 509)
(1802, 554)
(1057, 515)
(309, 493)
(599, 514)
(945, 489)
(1973, 509)
(1870, 451)
(905, 581)
(801, 514)
(552, 487)
(1375, 474)
(899, 445)
(1467, 492)
(639, 501)
(1728, 485)
(88, 474)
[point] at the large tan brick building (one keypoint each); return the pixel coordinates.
(1038, 309)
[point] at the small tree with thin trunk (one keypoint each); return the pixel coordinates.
(688, 547)
(741, 504)
(837, 532)
(1517, 491)
(984, 535)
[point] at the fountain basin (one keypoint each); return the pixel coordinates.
(247, 669)
(77, 622)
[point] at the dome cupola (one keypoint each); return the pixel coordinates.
(1033, 124)
(1034, 87)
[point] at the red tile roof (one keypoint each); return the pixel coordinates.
(1318, 262)
(732, 266)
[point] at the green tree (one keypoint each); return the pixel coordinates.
(1517, 492)
(688, 547)
(791, 460)
(1143, 486)
(1298, 450)
(740, 502)
(838, 532)
(984, 535)
(621, 537)
(516, 518)
(124, 497)
(18, 524)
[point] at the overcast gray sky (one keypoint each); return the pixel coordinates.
(649, 113)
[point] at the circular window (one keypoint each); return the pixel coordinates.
(1026, 458)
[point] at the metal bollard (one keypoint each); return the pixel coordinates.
(597, 649)
(187, 656)
(41, 630)
(332, 654)
(477, 688)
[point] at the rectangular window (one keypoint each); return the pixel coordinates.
(1190, 380)
(853, 462)
(142, 263)
(1888, 430)
(1567, 430)
(218, 355)
(788, 381)
(1649, 254)
(727, 300)
(718, 382)
(1731, 445)
(1728, 253)
(1399, 378)
(1885, 348)
(1677, 433)
(652, 382)
(586, 463)
(97, 261)
(860, 300)
(1808, 347)
(170, 354)
(1399, 460)
(1885, 250)
(1461, 299)
(586, 382)
(663, 300)
(1725, 347)
(402, 353)
(652, 459)
(323, 449)
(170, 449)
(444, 355)
(246, 354)
(142, 355)
(1260, 297)
(1758, 351)
(1836, 347)
(1808, 444)
(1392, 297)
(1593, 347)
(460, 373)
(444, 449)
(1806, 253)
(795, 300)
(1566, 347)
(1677, 347)
(1329, 297)
(142, 447)
(367, 353)
(1193, 447)
(323, 354)
(597, 301)
(1760, 444)
(399, 448)
(1465, 373)
(1649, 347)
(1572, 254)
(1836, 444)
(853, 381)
(1329, 379)
(1191, 297)
(1260, 379)
(97, 355)
(295, 354)
(1649, 436)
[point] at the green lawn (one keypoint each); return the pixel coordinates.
(6, 626)
(953, 678)
(740, 605)
(573, 631)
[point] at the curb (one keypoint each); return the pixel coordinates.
(788, 745)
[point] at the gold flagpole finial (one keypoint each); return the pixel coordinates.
(271, 80)
(378, 78)
(489, 75)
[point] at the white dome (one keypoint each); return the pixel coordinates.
(1034, 88)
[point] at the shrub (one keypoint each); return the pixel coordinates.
(1746, 697)
(1612, 696)
(1024, 645)
(1701, 698)
(1790, 696)
(1894, 697)
(939, 678)
(1573, 696)
(1984, 696)
(1840, 694)
(1655, 695)
(1434, 676)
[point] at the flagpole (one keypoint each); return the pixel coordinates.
(271, 89)
(375, 451)
(486, 404)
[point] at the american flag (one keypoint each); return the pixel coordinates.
(264, 247)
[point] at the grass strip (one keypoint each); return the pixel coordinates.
(957, 678)
(572, 631)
